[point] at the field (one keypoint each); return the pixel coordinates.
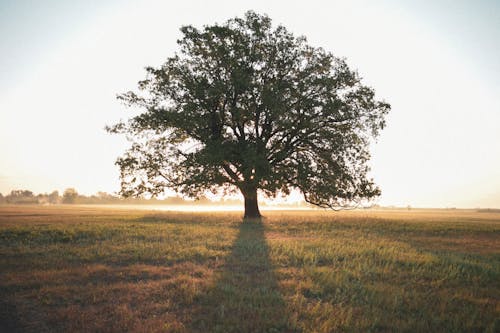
(88, 269)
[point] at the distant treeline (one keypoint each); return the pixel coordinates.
(71, 196)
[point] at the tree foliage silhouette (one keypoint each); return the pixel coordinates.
(245, 106)
(69, 196)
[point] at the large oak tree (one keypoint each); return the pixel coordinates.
(245, 105)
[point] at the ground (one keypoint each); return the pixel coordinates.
(90, 269)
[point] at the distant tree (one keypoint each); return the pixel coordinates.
(174, 201)
(42, 198)
(21, 197)
(2, 199)
(54, 197)
(250, 107)
(104, 196)
(69, 196)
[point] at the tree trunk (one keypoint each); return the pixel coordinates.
(251, 204)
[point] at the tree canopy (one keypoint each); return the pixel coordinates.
(247, 106)
(69, 196)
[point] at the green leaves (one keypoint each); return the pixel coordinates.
(245, 104)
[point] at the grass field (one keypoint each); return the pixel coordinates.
(87, 269)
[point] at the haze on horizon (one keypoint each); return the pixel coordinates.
(436, 62)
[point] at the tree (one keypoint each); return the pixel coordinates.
(245, 106)
(69, 196)
(21, 197)
(54, 197)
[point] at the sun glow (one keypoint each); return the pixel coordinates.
(438, 68)
(200, 208)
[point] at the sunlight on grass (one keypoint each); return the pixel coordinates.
(87, 269)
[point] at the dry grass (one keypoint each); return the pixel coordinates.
(87, 269)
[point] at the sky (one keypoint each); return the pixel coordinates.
(437, 63)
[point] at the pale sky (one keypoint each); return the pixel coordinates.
(436, 62)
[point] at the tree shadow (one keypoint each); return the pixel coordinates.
(246, 295)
